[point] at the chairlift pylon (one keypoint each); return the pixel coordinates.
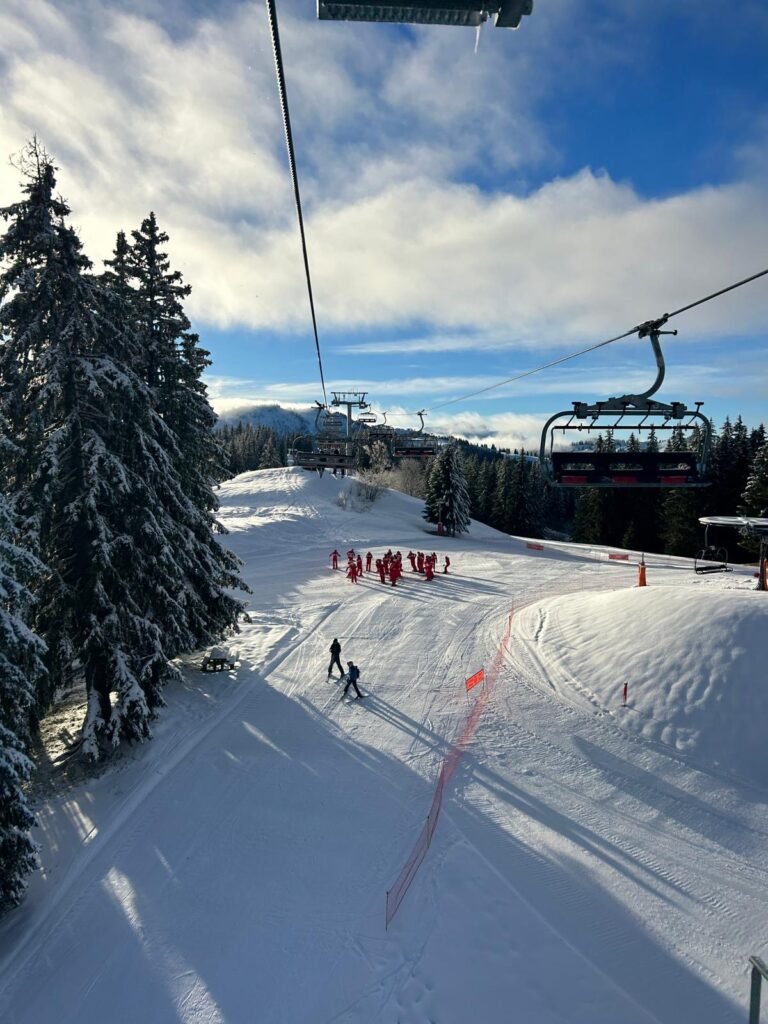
(639, 413)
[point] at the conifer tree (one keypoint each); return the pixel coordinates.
(20, 668)
(754, 501)
(447, 500)
(135, 574)
(269, 455)
(171, 363)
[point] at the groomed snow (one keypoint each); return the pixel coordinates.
(235, 869)
(695, 666)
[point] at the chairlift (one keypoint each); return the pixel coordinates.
(616, 469)
(328, 448)
(381, 431)
(471, 13)
(711, 558)
(414, 444)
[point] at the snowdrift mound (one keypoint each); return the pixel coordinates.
(695, 663)
(328, 509)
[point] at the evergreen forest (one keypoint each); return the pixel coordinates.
(110, 565)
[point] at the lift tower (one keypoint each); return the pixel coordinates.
(352, 400)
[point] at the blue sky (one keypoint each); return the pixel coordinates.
(469, 216)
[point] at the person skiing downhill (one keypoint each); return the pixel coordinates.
(335, 559)
(335, 650)
(359, 565)
(368, 560)
(353, 674)
(352, 572)
(380, 569)
(447, 563)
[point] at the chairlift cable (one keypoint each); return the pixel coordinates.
(272, 14)
(600, 344)
(714, 295)
(538, 369)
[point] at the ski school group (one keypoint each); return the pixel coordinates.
(390, 566)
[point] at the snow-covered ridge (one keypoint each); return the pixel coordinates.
(694, 661)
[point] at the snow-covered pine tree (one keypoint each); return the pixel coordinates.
(754, 501)
(447, 499)
(77, 494)
(172, 362)
(21, 667)
(270, 459)
(95, 479)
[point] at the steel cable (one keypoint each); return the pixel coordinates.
(272, 15)
(600, 344)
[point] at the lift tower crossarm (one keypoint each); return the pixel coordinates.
(352, 400)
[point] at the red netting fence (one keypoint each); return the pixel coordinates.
(396, 894)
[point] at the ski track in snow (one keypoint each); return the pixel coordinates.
(236, 872)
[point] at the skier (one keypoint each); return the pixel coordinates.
(420, 562)
(380, 569)
(352, 572)
(368, 560)
(412, 560)
(335, 650)
(359, 565)
(335, 559)
(447, 563)
(353, 674)
(393, 573)
(428, 571)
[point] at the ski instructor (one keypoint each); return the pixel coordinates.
(335, 650)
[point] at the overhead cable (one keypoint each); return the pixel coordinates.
(272, 14)
(600, 344)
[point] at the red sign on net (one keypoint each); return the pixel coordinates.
(534, 547)
(618, 558)
(478, 677)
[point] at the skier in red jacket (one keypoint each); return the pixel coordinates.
(352, 572)
(368, 560)
(420, 562)
(447, 563)
(380, 569)
(359, 565)
(428, 571)
(335, 559)
(412, 560)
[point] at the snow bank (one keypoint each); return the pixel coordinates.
(695, 663)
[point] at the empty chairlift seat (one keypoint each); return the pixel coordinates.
(629, 469)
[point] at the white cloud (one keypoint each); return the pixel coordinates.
(188, 124)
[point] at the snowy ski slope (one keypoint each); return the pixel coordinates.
(592, 864)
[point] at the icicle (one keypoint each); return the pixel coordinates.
(483, 18)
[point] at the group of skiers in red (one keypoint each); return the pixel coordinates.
(390, 566)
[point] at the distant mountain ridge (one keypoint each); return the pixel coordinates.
(272, 415)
